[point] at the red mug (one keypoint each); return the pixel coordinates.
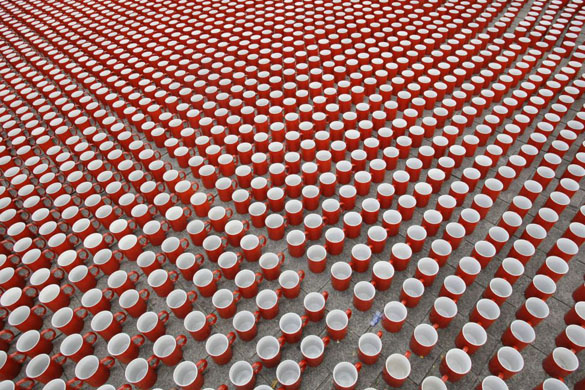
(124, 347)
(267, 303)
(247, 283)
(292, 325)
(199, 325)
(108, 324)
(219, 347)
(225, 302)
(268, 350)
(189, 376)
(271, 263)
(245, 324)
(169, 349)
(142, 372)
(181, 302)
(423, 340)
(370, 347)
(206, 281)
(134, 302)
(455, 365)
(152, 325)
(396, 369)
(337, 322)
(363, 295)
(345, 375)
(76, 346)
(471, 337)
(93, 371)
(314, 304)
(506, 363)
(243, 374)
(290, 283)
(313, 349)
(560, 362)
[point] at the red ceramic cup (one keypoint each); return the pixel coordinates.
(337, 322)
(455, 365)
(313, 349)
(370, 347)
(363, 295)
(423, 340)
(124, 347)
(471, 337)
(219, 347)
(225, 302)
(267, 303)
(245, 324)
(152, 325)
(199, 325)
(189, 376)
(396, 370)
(271, 263)
(268, 350)
(560, 362)
(506, 363)
(290, 283)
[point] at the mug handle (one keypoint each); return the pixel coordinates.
(153, 361)
(18, 357)
(88, 337)
(257, 367)
(281, 341)
(201, 365)
(217, 274)
(231, 336)
(181, 340)
(11, 335)
(263, 240)
(184, 243)
(59, 358)
(207, 226)
(26, 384)
(199, 259)
(259, 277)
(138, 340)
(133, 276)
(211, 198)
(246, 224)
(163, 316)
(187, 211)
(165, 226)
(108, 361)
(120, 317)
(237, 296)
(191, 296)
(301, 274)
(93, 270)
(108, 292)
(305, 321)
(348, 313)
(75, 384)
(173, 276)
(145, 292)
(229, 212)
(281, 258)
(58, 273)
(211, 319)
(48, 334)
(326, 340)
(358, 366)
(303, 365)
(257, 316)
(325, 295)
(81, 312)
